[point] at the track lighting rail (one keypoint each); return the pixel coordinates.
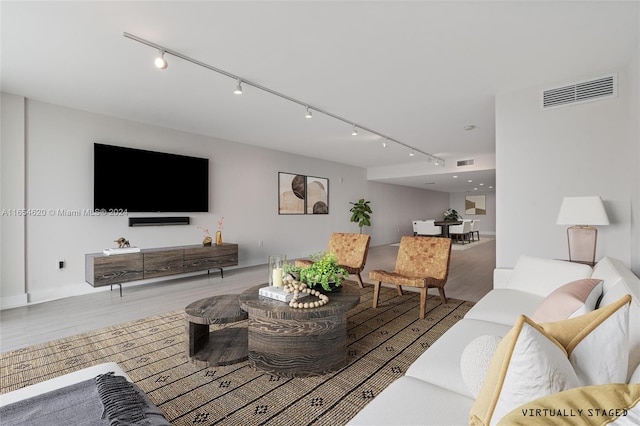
(240, 80)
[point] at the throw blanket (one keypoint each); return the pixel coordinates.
(106, 400)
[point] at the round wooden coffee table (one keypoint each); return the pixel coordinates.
(224, 346)
(298, 342)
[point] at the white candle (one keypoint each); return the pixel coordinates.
(277, 277)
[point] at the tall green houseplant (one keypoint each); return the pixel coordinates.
(361, 213)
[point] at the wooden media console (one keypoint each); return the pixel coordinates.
(115, 269)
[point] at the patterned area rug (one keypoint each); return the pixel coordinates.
(383, 342)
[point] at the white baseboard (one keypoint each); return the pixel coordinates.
(13, 301)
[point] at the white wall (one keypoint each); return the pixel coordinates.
(12, 194)
(634, 111)
(487, 221)
(57, 173)
(543, 156)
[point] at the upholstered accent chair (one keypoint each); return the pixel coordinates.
(351, 253)
(422, 262)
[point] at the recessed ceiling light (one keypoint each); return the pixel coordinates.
(455, 176)
(475, 189)
(491, 187)
(482, 184)
(470, 180)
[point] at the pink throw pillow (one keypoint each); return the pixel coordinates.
(571, 300)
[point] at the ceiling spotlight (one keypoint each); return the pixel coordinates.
(308, 115)
(384, 143)
(238, 90)
(470, 180)
(455, 176)
(411, 154)
(160, 61)
(437, 163)
(354, 131)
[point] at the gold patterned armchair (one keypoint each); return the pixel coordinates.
(350, 250)
(422, 262)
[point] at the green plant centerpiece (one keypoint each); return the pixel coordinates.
(451, 215)
(361, 213)
(324, 272)
(293, 270)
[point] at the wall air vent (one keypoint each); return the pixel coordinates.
(585, 91)
(465, 163)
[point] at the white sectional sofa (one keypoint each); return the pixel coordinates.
(433, 390)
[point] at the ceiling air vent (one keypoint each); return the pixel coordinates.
(577, 93)
(465, 163)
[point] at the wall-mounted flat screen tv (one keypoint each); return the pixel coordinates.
(137, 180)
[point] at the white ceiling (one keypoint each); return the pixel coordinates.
(416, 71)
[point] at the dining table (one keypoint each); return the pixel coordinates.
(445, 224)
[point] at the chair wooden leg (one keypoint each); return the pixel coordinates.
(360, 283)
(443, 298)
(399, 290)
(376, 293)
(423, 302)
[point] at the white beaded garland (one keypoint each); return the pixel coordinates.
(296, 288)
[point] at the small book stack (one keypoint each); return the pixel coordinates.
(123, 250)
(278, 293)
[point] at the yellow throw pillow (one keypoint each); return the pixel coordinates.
(584, 406)
(533, 360)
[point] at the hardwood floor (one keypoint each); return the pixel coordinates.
(470, 278)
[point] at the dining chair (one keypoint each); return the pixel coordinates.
(461, 232)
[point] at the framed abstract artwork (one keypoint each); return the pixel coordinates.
(317, 195)
(475, 204)
(291, 193)
(300, 194)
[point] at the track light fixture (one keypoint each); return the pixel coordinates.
(162, 64)
(238, 89)
(160, 61)
(411, 154)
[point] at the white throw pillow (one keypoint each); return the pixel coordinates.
(534, 360)
(475, 360)
(542, 276)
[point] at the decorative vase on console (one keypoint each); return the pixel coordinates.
(219, 232)
(206, 241)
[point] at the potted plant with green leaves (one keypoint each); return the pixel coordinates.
(451, 215)
(361, 213)
(325, 273)
(293, 270)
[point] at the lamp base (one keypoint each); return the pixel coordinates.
(582, 244)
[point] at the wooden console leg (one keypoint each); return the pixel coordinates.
(360, 283)
(399, 290)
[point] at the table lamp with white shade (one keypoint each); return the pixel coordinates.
(583, 213)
